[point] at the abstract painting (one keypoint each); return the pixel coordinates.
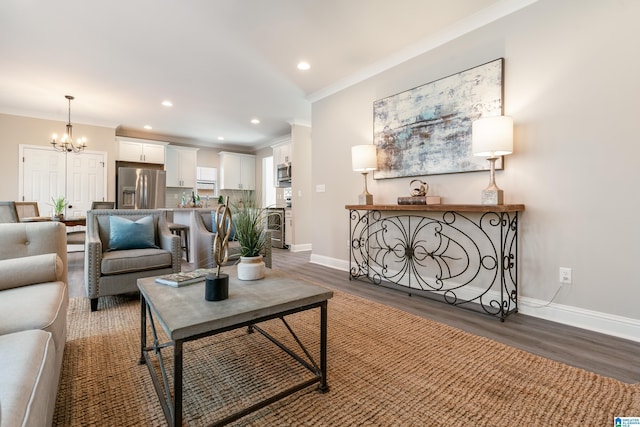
(427, 130)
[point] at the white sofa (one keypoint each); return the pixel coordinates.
(33, 320)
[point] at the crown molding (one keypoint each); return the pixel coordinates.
(480, 19)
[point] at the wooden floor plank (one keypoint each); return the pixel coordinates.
(603, 354)
(606, 355)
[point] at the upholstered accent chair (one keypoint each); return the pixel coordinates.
(204, 237)
(8, 212)
(78, 237)
(112, 266)
(102, 205)
(27, 209)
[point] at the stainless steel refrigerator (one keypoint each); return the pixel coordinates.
(140, 188)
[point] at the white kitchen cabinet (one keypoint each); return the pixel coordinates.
(237, 171)
(181, 166)
(281, 153)
(137, 151)
(206, 174)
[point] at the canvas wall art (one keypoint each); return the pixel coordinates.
(427, 130)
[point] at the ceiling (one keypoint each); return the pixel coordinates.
(220, 62)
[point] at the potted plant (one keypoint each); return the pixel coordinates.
(249, 221)
(58, 204)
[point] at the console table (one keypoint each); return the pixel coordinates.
(463, 255)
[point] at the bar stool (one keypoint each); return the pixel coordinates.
(182, 231)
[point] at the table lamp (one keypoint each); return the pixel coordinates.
(492, 137)
(363, 160)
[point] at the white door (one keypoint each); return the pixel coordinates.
(43, 177)
(85, 182)
(46, 173)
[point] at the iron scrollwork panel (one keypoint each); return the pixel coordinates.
(463, 261)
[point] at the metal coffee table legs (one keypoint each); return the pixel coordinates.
(172, 402)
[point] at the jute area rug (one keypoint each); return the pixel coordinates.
(386, 368)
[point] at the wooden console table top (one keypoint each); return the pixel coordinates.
(439, 208)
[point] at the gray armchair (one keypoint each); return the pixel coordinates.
(113, 272)
(203, 242)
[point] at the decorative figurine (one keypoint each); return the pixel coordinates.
(217, 286)
(418, 195)
(419, 191)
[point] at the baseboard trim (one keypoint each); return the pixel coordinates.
(609, 324)
(338, 264)
(300, 248)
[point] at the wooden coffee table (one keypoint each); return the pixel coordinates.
(185, 315)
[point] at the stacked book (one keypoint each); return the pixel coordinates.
(419, 200)
(184, 277)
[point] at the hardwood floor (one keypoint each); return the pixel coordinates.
(599, 353)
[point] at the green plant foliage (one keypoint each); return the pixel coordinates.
(58, 204)
(250, 221)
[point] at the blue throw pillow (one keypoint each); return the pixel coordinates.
(214, 227)
(127, 234)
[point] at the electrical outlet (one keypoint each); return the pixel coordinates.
(565, 275)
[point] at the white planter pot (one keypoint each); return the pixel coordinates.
(251, 268)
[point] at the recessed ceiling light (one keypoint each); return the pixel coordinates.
(167, 103)
(221, 138)
(303, 66)
(255, 121)
(147, 127)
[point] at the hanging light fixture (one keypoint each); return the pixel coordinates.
(66, 143)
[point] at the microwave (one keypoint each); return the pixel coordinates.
(283, 175)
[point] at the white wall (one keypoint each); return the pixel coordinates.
(301, 189)
(572, 87)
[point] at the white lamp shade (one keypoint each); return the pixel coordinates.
(492, 136)
(363, 158)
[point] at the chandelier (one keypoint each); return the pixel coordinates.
(66, 143)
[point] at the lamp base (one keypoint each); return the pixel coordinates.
(365, 199)
(492, 196)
